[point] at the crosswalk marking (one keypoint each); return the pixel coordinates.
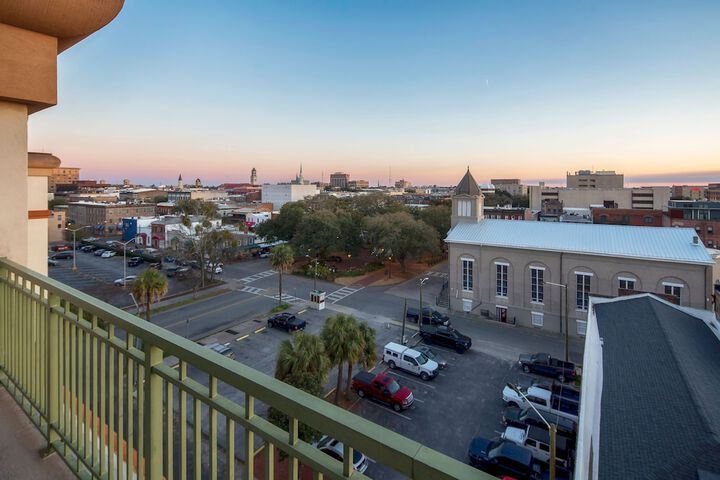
(253, 290)
(257, 276)
(286, 298)
(342, 293)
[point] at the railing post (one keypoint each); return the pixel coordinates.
(53, 368)
(153, 414)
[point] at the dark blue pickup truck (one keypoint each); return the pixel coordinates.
(544, 364)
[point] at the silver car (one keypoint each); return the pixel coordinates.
(432, 355)
(336, 449)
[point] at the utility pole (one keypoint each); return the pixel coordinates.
(402, 334)
(422, 313)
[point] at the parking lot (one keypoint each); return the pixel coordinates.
(464, 401)
(95, 276)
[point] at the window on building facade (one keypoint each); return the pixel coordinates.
(673, 289)
(648, 219)
(464, 208)
(501, 279)
(537, 287)
(626, 283)
(467, 274)
(583, 290)
(537, 319)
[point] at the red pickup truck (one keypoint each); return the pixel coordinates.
(383, 388)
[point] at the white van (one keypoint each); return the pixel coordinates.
(400, 356)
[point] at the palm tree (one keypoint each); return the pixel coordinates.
(281, 260)
(302, 363)
(366, 354)
(149, 287)
(339, 334)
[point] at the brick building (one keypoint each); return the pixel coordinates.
(702, 216)
(628, 216)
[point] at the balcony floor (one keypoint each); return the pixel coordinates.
(20, 444)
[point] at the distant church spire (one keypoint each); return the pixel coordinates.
(180, 182)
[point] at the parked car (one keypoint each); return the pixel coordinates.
(89, 239)
(538, 442)
(264, 255)
(521, 417)
(169, 259)
(155, 265)
(171, 271)
(135, 261)
(432, 355)
(412, 361)
(99, 252)
(383, 388)
(558, 388)
(182, 272)
(108, 254)
(286, 321)
(336, 450)
(88, 248)
(502, 458)
(543, 400)
(217, 269)
(62, 256)
(61, 248)
(544, 364)
(430, 316)
(53, 263)
(446, 336)
(222, 349)
(129, 280)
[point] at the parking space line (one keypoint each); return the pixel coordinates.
(418, 400)
(421, 382)
(260, 329)
(389, 410)
(242, 338)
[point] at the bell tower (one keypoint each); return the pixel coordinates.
(467, 201)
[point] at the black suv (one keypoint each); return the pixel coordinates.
(286, 321)
(502, 458)
(62, 256)
(446, 337)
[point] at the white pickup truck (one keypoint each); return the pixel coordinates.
(412, 361)
(543, 400)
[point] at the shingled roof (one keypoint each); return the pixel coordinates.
(468, 185)
(660, 391)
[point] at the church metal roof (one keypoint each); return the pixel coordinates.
(645, 243)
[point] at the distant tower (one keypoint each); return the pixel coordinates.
(467, 201)
(253, 176)
(198, 183)
(299, 180)
(180, 182)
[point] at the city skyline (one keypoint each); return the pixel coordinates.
(522, 90)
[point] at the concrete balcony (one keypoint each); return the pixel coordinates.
(116, 397)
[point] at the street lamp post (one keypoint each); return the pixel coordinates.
(315, 273)
(124, 244)
(422, 282)
(564, 289)
(551, 427)
(74, 231)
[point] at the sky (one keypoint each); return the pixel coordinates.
(418, 90)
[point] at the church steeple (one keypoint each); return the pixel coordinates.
(467, 201)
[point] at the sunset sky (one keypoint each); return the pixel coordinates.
(527, 89)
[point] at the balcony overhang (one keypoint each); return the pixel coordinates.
(33, 33)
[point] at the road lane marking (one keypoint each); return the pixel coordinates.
(242, 338)
(260, 329)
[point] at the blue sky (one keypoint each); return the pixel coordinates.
(525, 89)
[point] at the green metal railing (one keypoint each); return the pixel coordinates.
(94, 380)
